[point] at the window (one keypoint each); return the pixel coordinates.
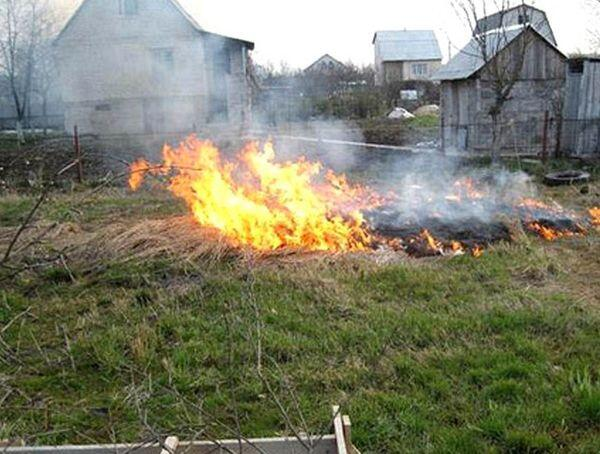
(576, 66)
(419, 69)
(128, 7)
(163, 62)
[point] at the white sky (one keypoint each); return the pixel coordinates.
(300, 31)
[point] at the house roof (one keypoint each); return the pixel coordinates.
(407, 45)
(470, 59)
(506, 18)
(195, 25)
(324, 57)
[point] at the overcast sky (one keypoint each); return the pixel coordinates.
(300, 31)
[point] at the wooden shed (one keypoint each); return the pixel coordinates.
(582, 107)
(467, 94)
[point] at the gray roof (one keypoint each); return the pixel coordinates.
(470, 59)
(408, 45)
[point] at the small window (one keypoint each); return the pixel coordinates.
(128, 7)
(419, 69)
(103, 108)
(576, 66)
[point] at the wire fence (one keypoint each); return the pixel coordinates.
(102, 155)
(537, 135)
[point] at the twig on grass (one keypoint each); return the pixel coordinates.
(32, 213)
(14, 319)
(23, 226)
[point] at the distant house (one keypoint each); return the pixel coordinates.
(522, 38)
(406, 55)
(325, 65)
(146, 66)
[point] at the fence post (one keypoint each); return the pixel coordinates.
(545, 137)
(78, 154)
(558, 152)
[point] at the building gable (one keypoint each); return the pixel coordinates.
(535, 56)
(470, 60)
(102, 20)
(520, 15)
(325, 63)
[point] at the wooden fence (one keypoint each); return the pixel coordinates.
(340, 442)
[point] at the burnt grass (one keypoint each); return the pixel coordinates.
(495, 354)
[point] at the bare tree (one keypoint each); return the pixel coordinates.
(503, 64)
(45, 71)
(23, 27)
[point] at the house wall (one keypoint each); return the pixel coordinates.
(459, 107)
(467, 124)
(378, 66)
(582, 108)
(399, 71)
(112, 81)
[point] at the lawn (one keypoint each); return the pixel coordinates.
(493, 354)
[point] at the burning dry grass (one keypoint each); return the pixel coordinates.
(182, 239)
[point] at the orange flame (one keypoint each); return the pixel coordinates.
(257, 202)
(595, 215)
(477, 251)
(549, 233)
(432, 243)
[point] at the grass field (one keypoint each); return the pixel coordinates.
(496, 354)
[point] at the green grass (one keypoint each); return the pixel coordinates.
(498, 354)
(425, 121)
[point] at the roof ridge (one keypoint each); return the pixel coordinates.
(470, 60)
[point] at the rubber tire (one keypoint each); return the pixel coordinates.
(566, 178)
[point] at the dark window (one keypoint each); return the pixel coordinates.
(103, 107)
(576, 66)
(128, 7)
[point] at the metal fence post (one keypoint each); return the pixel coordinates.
(545, 136)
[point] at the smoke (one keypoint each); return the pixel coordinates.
(426, 187)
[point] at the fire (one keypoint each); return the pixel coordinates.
(456, 247)
(466, 188)
(257, 202)
(548, 233)
(477, 251)
(432, 243)
(595, 215)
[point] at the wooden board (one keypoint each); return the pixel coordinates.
(324, 445)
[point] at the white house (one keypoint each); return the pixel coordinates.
(406, 55)
(325, 65)
(146, 66)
